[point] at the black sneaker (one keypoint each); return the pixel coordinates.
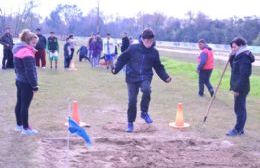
(212, 93)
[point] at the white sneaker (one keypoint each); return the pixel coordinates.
(29, 131)
(18, 128)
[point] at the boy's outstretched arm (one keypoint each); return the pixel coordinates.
(122, 61)
(159, 69)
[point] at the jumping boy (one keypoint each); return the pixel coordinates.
(140, 59)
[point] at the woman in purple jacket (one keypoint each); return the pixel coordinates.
(26, 79)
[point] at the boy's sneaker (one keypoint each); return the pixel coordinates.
(29, 131)
(242, 132)
(130, 127)
(211, 93)
(146, 117)
(18, 128)
(201, 95)
(233, 133)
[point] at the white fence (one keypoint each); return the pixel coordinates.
(220, 47)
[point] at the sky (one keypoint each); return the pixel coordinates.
(216, 9)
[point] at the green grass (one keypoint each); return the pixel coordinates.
(188, 70)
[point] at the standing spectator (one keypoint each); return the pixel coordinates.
(67, 53)
(100, 44)
(140, 60)
(26, 79)
(90, 39)
(241, 60)
(125, 42)
(72, 45)
(131, 40)
(96, 48)
(205, 67)
(40, 55)
(53, 49)
(7, 41)
(109, 50)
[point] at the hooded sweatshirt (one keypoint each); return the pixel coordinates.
(140, 62)
(24, 62)
(241, 70)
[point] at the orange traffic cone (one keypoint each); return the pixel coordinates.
(75, 115)
(179, 121)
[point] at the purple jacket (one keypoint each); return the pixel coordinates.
(96, 48)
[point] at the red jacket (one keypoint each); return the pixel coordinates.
(209, 64)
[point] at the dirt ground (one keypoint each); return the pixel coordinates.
(150, 146)
(102, 101)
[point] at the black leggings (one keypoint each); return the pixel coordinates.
(24, 98)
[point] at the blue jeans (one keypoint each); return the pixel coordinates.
(240, 111)
(133, 90)
(204, 79)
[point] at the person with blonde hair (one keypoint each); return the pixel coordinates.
(26, 79)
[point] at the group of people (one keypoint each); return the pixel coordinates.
(108, 47)
(50, 44)
(139, 59)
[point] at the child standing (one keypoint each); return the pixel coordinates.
(53, 49)
(140, 59)
(67, 53)
(109, 48)
(26, 79)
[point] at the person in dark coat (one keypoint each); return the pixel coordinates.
(140, 60)
(125, 42)
(241, 60)
(205, 67)
(96, 48)
(26, 80)
(53, 49)
(40, 55)
(67, 53)
(7, 41)
(83, 53)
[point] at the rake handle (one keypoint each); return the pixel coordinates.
(216, 91)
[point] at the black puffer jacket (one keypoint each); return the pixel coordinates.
(41, 45)
(241, 65)
(139, 62)
(25, 68)
(125, 44)
(7, 41)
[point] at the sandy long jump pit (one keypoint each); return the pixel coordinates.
(143, 149)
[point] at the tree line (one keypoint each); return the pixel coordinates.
(69, 19)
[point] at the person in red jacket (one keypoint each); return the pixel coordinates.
(205, 67)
